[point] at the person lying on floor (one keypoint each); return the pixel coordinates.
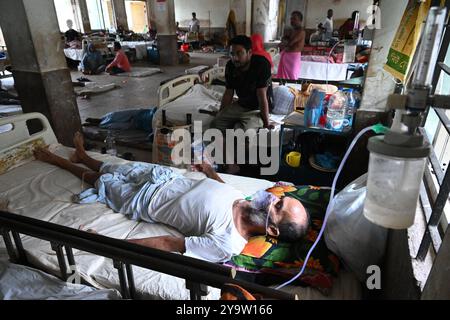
(213, 217)
(120, 63)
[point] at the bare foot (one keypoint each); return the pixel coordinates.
(83, 228)
(44, 155)
(78, 141)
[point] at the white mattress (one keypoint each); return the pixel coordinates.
(345, 287)
(74, 54)
(23, 283)
(198, 98)
(7, 83)
(140, 72)
(43, 191)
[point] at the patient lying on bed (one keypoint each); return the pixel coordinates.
(213, 217)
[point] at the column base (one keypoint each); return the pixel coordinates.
(168, 50)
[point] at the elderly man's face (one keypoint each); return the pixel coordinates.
(240, 56)
(288, 209)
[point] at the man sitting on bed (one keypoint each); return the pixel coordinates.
(250, 76)
(213, 217)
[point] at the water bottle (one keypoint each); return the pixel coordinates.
(336, 111)
(314, 108)
(351, 107)
(110, 144)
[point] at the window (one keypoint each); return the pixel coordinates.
(101, 14)
(66, 10)
(137, 16)
(437, 133)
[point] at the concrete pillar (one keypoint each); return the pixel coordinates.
(120, 13)
(163, 14)
(240, 9)
(82, 6)
(40, 71)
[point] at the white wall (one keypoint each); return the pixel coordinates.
(218, 9)
(316, 11)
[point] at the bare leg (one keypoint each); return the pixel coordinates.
(80, 155)
(87, 175)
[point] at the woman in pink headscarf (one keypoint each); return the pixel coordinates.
(258, 48)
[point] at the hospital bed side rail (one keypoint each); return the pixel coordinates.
(196, 273)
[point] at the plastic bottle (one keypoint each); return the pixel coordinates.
(351, 107)
(337, 111)
(314, 108)
(110, 144)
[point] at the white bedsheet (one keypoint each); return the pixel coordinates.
(7, 83)
(43, 192)
(74, 54)
(198, 98)
(23, 283)
(345, 287)
(318, 71)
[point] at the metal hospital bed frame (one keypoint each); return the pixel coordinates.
(197, 274)
(172, 89)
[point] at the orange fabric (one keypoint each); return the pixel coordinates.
(257, 247)
(232, 292)
(121, 61)
(258, 48)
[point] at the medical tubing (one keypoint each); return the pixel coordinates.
(328, 59)
(329, 208)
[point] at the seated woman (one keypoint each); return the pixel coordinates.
(93, 62)
(258, 48)
(120, 63)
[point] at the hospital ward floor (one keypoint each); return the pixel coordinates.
(134, 93)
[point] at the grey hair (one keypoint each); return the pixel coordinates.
(292, 232)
